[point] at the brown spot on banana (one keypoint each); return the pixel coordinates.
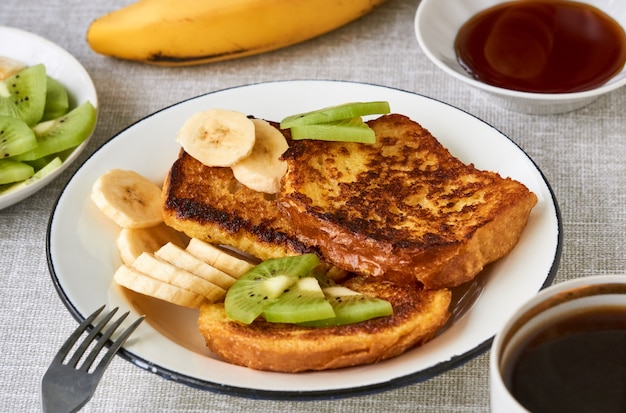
(166, 60)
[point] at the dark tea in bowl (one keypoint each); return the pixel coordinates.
(564, 350)
(530, 56)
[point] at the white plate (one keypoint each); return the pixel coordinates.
(31, 49)
(82, 255)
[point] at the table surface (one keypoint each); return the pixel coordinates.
(581, 154)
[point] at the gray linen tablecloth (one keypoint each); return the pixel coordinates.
(581, 154)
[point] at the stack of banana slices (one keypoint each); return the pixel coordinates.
(157, 260)
(227, 138)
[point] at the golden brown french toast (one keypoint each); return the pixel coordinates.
(418, 315)
(209, 204)
(403, 208)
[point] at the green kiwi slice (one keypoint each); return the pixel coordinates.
(29, 180)
(303, 301)
(7, 107)
(26, 91)
(335, 113)
(351, 307)
(57, 100)
(347, 130)
(14, 171)
(15, 137)
(59, 134)
(257, 289)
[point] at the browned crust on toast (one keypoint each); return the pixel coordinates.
(403, 208)
(209, 204)
(418, 315)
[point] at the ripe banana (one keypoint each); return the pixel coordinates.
(262, 170)
(188, 32)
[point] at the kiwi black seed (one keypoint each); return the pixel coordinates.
(263, 284)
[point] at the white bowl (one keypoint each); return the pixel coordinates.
(31, 49)
(437, 23)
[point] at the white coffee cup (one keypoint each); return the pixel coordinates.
(600, 296)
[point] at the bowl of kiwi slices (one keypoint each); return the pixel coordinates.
(48, 112)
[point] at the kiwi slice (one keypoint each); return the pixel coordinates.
(347, 130)
(66, 132)
(41, 162)
(351, 307)
(15, 137)
(335, 113)
(303, 301)
(7, 107)
(43, 171)
(257, 289)
(26, 92)
(57, 100)
(14, 171)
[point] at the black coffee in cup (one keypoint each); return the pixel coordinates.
(574, 364)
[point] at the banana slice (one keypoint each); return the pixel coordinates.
(262, 170)
(218, 258)
(132, 279)
(183, 259)
(217, 137)
(131, 242)
(163, 271)
(128, 198)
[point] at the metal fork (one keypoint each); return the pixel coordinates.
(68, 386)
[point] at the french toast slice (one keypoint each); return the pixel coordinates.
(403, 208)
(418, 315)
(208, 203)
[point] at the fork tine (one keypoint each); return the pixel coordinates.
(102, 341)
(108, 356)
(92, 334)
(71, 340)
